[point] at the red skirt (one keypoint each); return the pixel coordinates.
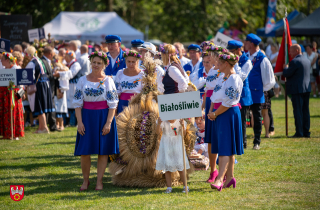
(5, 115)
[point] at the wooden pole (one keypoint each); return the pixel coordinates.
(286, 105)
(285, 61)
(11, 114)
(184, 158)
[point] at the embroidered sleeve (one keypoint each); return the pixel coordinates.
(111, 94)
(232, 91)
(117, 82)
(78, 95)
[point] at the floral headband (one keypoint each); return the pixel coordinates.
(206, 44)
(204, 54)
(131, 53)
(229, 57)
(70, 53)
(216, 48)
(10, 57)
(101, 55)
(164, 51)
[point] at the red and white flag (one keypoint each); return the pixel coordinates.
(283, 56)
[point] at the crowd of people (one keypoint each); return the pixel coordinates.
(76, 88)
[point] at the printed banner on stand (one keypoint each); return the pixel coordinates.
(221, 40)
(179, 105)
(17, 76)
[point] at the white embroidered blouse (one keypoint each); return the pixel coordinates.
(93, 92)
(212, 78)
(228, 92)
(128, 84)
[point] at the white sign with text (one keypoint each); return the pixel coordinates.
(221, 40)
(179, 105)
(7, 75)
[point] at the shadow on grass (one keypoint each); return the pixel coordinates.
(55, 161)
(71, 183)
(50, 143)
(63, 137)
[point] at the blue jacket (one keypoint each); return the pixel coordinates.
(245, 99)
(120, 64)
(255, 80)
(189, 67)
(298, 75)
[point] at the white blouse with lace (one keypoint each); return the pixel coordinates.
(170, 154)
(228, 92)
(128, 84)
(94, 92)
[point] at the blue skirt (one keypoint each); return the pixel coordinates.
(93, 142)
(229, 133)
(209, 128)
(122, 105)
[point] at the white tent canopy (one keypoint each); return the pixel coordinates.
(92, 26)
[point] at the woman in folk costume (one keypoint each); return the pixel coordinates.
(139, 142)
(175, 79)
(73, 76)
(227, 117)
(210, 132)
(198, 78)
(129, 80)
(40, 101)
(95, 101)
(9, 62)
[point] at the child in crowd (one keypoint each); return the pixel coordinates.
(200, 146)
(27, 111)
(61, 98)
(170, 152)
(199, 156)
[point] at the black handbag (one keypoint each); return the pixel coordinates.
(271, 93)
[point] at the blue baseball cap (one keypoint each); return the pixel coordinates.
(253, 38)
(194, 47)
(112, 39)
(234, 44)
(137, 43)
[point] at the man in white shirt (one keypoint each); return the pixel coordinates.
(84, 61)
(73, 45)
(261, 78)
(180, 49)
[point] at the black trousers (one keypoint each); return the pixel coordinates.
(257, 118)
(244, 111)
(51, 118)
(300, 103)
(271, 127)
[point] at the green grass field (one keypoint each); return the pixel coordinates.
(283, 174)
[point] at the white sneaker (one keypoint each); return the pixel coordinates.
(169, 190)
(184, 189)
(17, 138)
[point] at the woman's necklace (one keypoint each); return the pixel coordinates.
(226, 77)
(101, 82)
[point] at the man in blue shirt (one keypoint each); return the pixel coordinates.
(196, 61)
(115, 55)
